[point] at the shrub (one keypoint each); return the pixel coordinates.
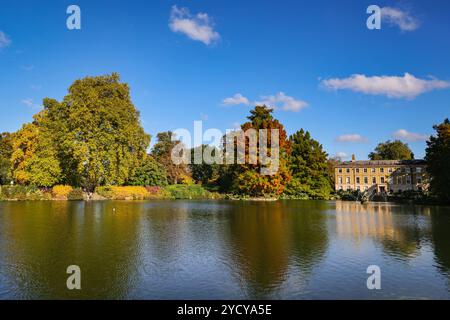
(19, 192)
(123, 193)
(61, 192)
(75, 194)
(189, 192)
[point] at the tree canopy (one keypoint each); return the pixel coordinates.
(392, 150)
(34, 157)
(97, 132)
(438, 161)
(149, 173)
(248, 178)
(162, 152)
(6, 149)
(309, 167)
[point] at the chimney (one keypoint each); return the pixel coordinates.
(353, 158)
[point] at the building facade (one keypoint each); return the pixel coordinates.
(383, 176)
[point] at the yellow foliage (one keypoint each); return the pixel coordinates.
(61, 192)
(124, 193)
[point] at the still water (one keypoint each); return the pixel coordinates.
(223, 250)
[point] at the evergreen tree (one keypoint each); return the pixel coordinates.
(309, 167)
(438, 161)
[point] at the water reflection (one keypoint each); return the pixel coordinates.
(41, 239)
(266, 237)
(401, 230)
(222, 250)
(440, 226)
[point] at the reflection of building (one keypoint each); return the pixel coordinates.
(384, 175)
(373, 220)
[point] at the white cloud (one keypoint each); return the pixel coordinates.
(30, 103)
(5, 41)
(235, 100)
(197, 27)
(351, 138)
(27, 102)
(283, 102)
(403, 134)
(400, 18)
(341, 156)
(407, 86)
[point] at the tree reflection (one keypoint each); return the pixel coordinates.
(265, 237)
(440, 224)
(44, 238)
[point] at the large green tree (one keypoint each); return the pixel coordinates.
(309, 167)
(438, 161)
(5, 157)
(97, 131)
(392, 150)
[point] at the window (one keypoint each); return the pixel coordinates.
(357, 170)
(348, 170)
(358, 188)
(419, 180)
(340, 180)
(382, 179)
(365, 170)
(419, 169)
(374, 170)
(358, 180)
(390, 170)
(382, 170)
(348, 180)
(340, 170)
(374, 180)
(366, 180)
(408, 181)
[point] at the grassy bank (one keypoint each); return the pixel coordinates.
(23, 193)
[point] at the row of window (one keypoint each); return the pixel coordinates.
(392, 180)
(367, 188)
(382, 170)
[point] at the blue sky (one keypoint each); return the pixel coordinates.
(316, 62)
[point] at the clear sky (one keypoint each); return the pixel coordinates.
(212, 60)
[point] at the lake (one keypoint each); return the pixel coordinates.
(223, 250)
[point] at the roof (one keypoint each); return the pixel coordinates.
(375, 163)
